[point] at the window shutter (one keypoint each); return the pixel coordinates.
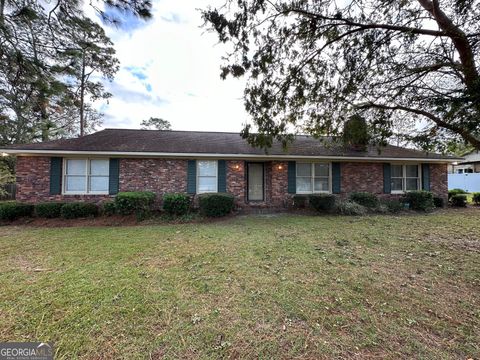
(192, 176)
(426, 177)
(336, 178)
(222, 176)
(55, 176)
(114, 172)
(292, 177)
(387, 178)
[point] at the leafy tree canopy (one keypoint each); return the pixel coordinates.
(311, 64)
(48, 52)
(156, 124)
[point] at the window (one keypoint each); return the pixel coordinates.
(86, 176)
(405, 178)
(313, 178)
(207, 176)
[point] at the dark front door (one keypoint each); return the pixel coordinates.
(255, 181)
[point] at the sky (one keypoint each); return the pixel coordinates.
(170, 68)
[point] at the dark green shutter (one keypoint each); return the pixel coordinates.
(222, 176)
(426, 177)
(55, 176)
(292, 177)
(387, 178)
(336, 178)
(192, 177)
(114, 172)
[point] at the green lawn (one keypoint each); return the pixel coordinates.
(250, 287)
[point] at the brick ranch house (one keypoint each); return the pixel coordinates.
(96, 167)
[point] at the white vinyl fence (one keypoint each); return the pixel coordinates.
(468, 182)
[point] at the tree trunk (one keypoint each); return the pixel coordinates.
(82, 95)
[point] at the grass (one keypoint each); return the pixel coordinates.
(250, 287)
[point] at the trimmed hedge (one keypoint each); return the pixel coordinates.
(109, 208)
(476, 198)
(419, 200)
(48, 210)
(14, 210)
(366, 199)
(459, 200)
(438, 201)
(454, 192)
(299, 201)
(350, 208)
(393, 206)
(322, 202)
(176, 204)
(215, 204)
(132, 202)
(78, 210)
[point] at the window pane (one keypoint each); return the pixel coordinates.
(321, 184)
(304, 169)
(411, 184)
(75, 183)
(321, 170)
(99, 167)
(411, 170)
(207, 168)
(99, 183)
(76, 167)
(397, 184)
(304, 184)
(207, 184)
(397, 171)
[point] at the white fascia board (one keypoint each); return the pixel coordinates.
(135, 154)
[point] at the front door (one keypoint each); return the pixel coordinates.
(255, 181)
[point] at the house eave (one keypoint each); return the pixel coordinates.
(134, 154)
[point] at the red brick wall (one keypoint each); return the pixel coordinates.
(439, 179)
(168, 175)
(236, 180)
(361, 177)
(157, 175)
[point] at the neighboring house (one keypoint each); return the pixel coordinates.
(470, 164)
(97, 166)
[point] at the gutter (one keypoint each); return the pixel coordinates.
(220, 156)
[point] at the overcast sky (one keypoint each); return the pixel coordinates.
(169, 68)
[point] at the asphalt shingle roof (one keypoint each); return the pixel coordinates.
(156, 141)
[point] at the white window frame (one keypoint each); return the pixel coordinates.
(198, 176)
(87, 177)
(404, 178)
(312, 177)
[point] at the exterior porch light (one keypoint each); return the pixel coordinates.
(280, 167)
(236, 167)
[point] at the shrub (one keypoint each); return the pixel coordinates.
(393, 206)
(300, 201)
(350, 208)
(476, 198)
(419, 200)
(176, 204)
(322, 202)
(109, 208)
(78, 210)
(14, 210)
(455, 192)
(48, 210)
(459, 200)
(366, 199)
(438, 201)
(216, 204)
(127, 203)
